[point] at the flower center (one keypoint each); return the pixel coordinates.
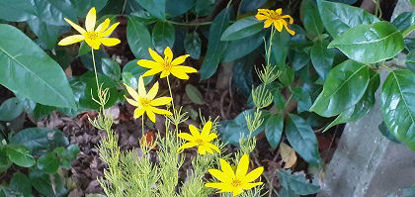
(200, 142)
(236, 183)
(145, 102)
(167, 65)
(91, 35)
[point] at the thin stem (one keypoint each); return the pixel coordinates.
(172, 102)
(268, 52)
(142, 127)
(190, 24)
(95, 68)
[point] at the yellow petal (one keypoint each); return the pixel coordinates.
(278, 25)
(186, 136)
(164, 73)
(279, 11)
(254, 174)
(249, 186)
(91, 19)
(109, 31)
(161, 101)
(141, 89)
(186, 69)
(132, 92)
(267, 23)
(289, 30)
(226, 168)
(194, 131)
(260, 17)
(152, 71)
(243, 165)
(217, 185)
(219, 175)
(179, 74)
(202, 150)
(75, 26)
(132, 102)
(153, 92)
(71, 40)
(161, 111)
(156, 57)
(211, 137)
(179, 60)
(212, 146)
(103, 26)
(206, 129)
(186, 146)
(168, 55)
(138, 112)
(151, 115)
(109, 42)
(237, 191)
(148, 63)
(93, 43)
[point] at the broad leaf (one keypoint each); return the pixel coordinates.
(20, 155)
(5, 162)
(111, 69)
(194, 94)
(410, 60)
(242, 28)
(48, 163)
(216, 48)
(39, 140)
(370, 43)
(311, 18)
(157, 8)
(273, 129)
(11, 109)
(238, 48)
(398, 105)
(138, 38)
(322, 58)
(296, 183)
(193, 45)
(303, 99)
(362, 107)
(404, 21)
(21, 183)
(132, 72)
(68, 155)
(48, 185)
(163, 36)
(338, 17)
(250, 5)
(279, 48)
(29, 71)
(302, 138)
(343, 88)
(178, 7)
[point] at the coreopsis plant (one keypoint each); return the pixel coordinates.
(93, 37)
(236, 181)
(274, 17)
(202, 140)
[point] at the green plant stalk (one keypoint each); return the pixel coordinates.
(172, 102)
(142, 127)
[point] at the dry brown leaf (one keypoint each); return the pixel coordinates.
(288, 155)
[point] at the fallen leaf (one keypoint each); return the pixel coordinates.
(288, 155)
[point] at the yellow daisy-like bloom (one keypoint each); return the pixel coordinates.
(238, 181)
(166, 65)
(146, 102)
(201, 140)
(94, 38)
(275, 18)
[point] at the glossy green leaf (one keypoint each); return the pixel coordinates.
(311, 18)
(237, 48)
(157, 8)
(250, 5)
(242, 28)
(132, 72)
(48, 185)
(385, 132)
(111, 69)
(303, 99)
(163, 36)
(10, 109)
(297, 183)
(194, 94)
(84, 49)
(302, 138)
(87, 59)
(20, 155)
(204, 7)
(242, 77)
(343, 88)
(68, 155)
(273, 129)
(35, 75)
(287, 75)
(193, 45)
(5, 162)
(338, 17)
(410, 60)
(178, 7)
(138, 38)
(362, 107)
(370, 43)
(284, 192)
(21, 10)
(42, 111)
(48, 34)
(84, 6)
(216, 48)
(39, 140)
(322, 58)
(404, 20)
(299, 60)
(279, 48)
(398, 105)
(48, 163)
(21, 183)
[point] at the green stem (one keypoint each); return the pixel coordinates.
(95, 68)
(172, 102)
(142, 128)
(190, 24)
(268, 52)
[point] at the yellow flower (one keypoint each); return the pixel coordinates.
(235, 182)
(94, 38)
(166, 65)
(145, 102)
(275, 17)
(201, 140)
